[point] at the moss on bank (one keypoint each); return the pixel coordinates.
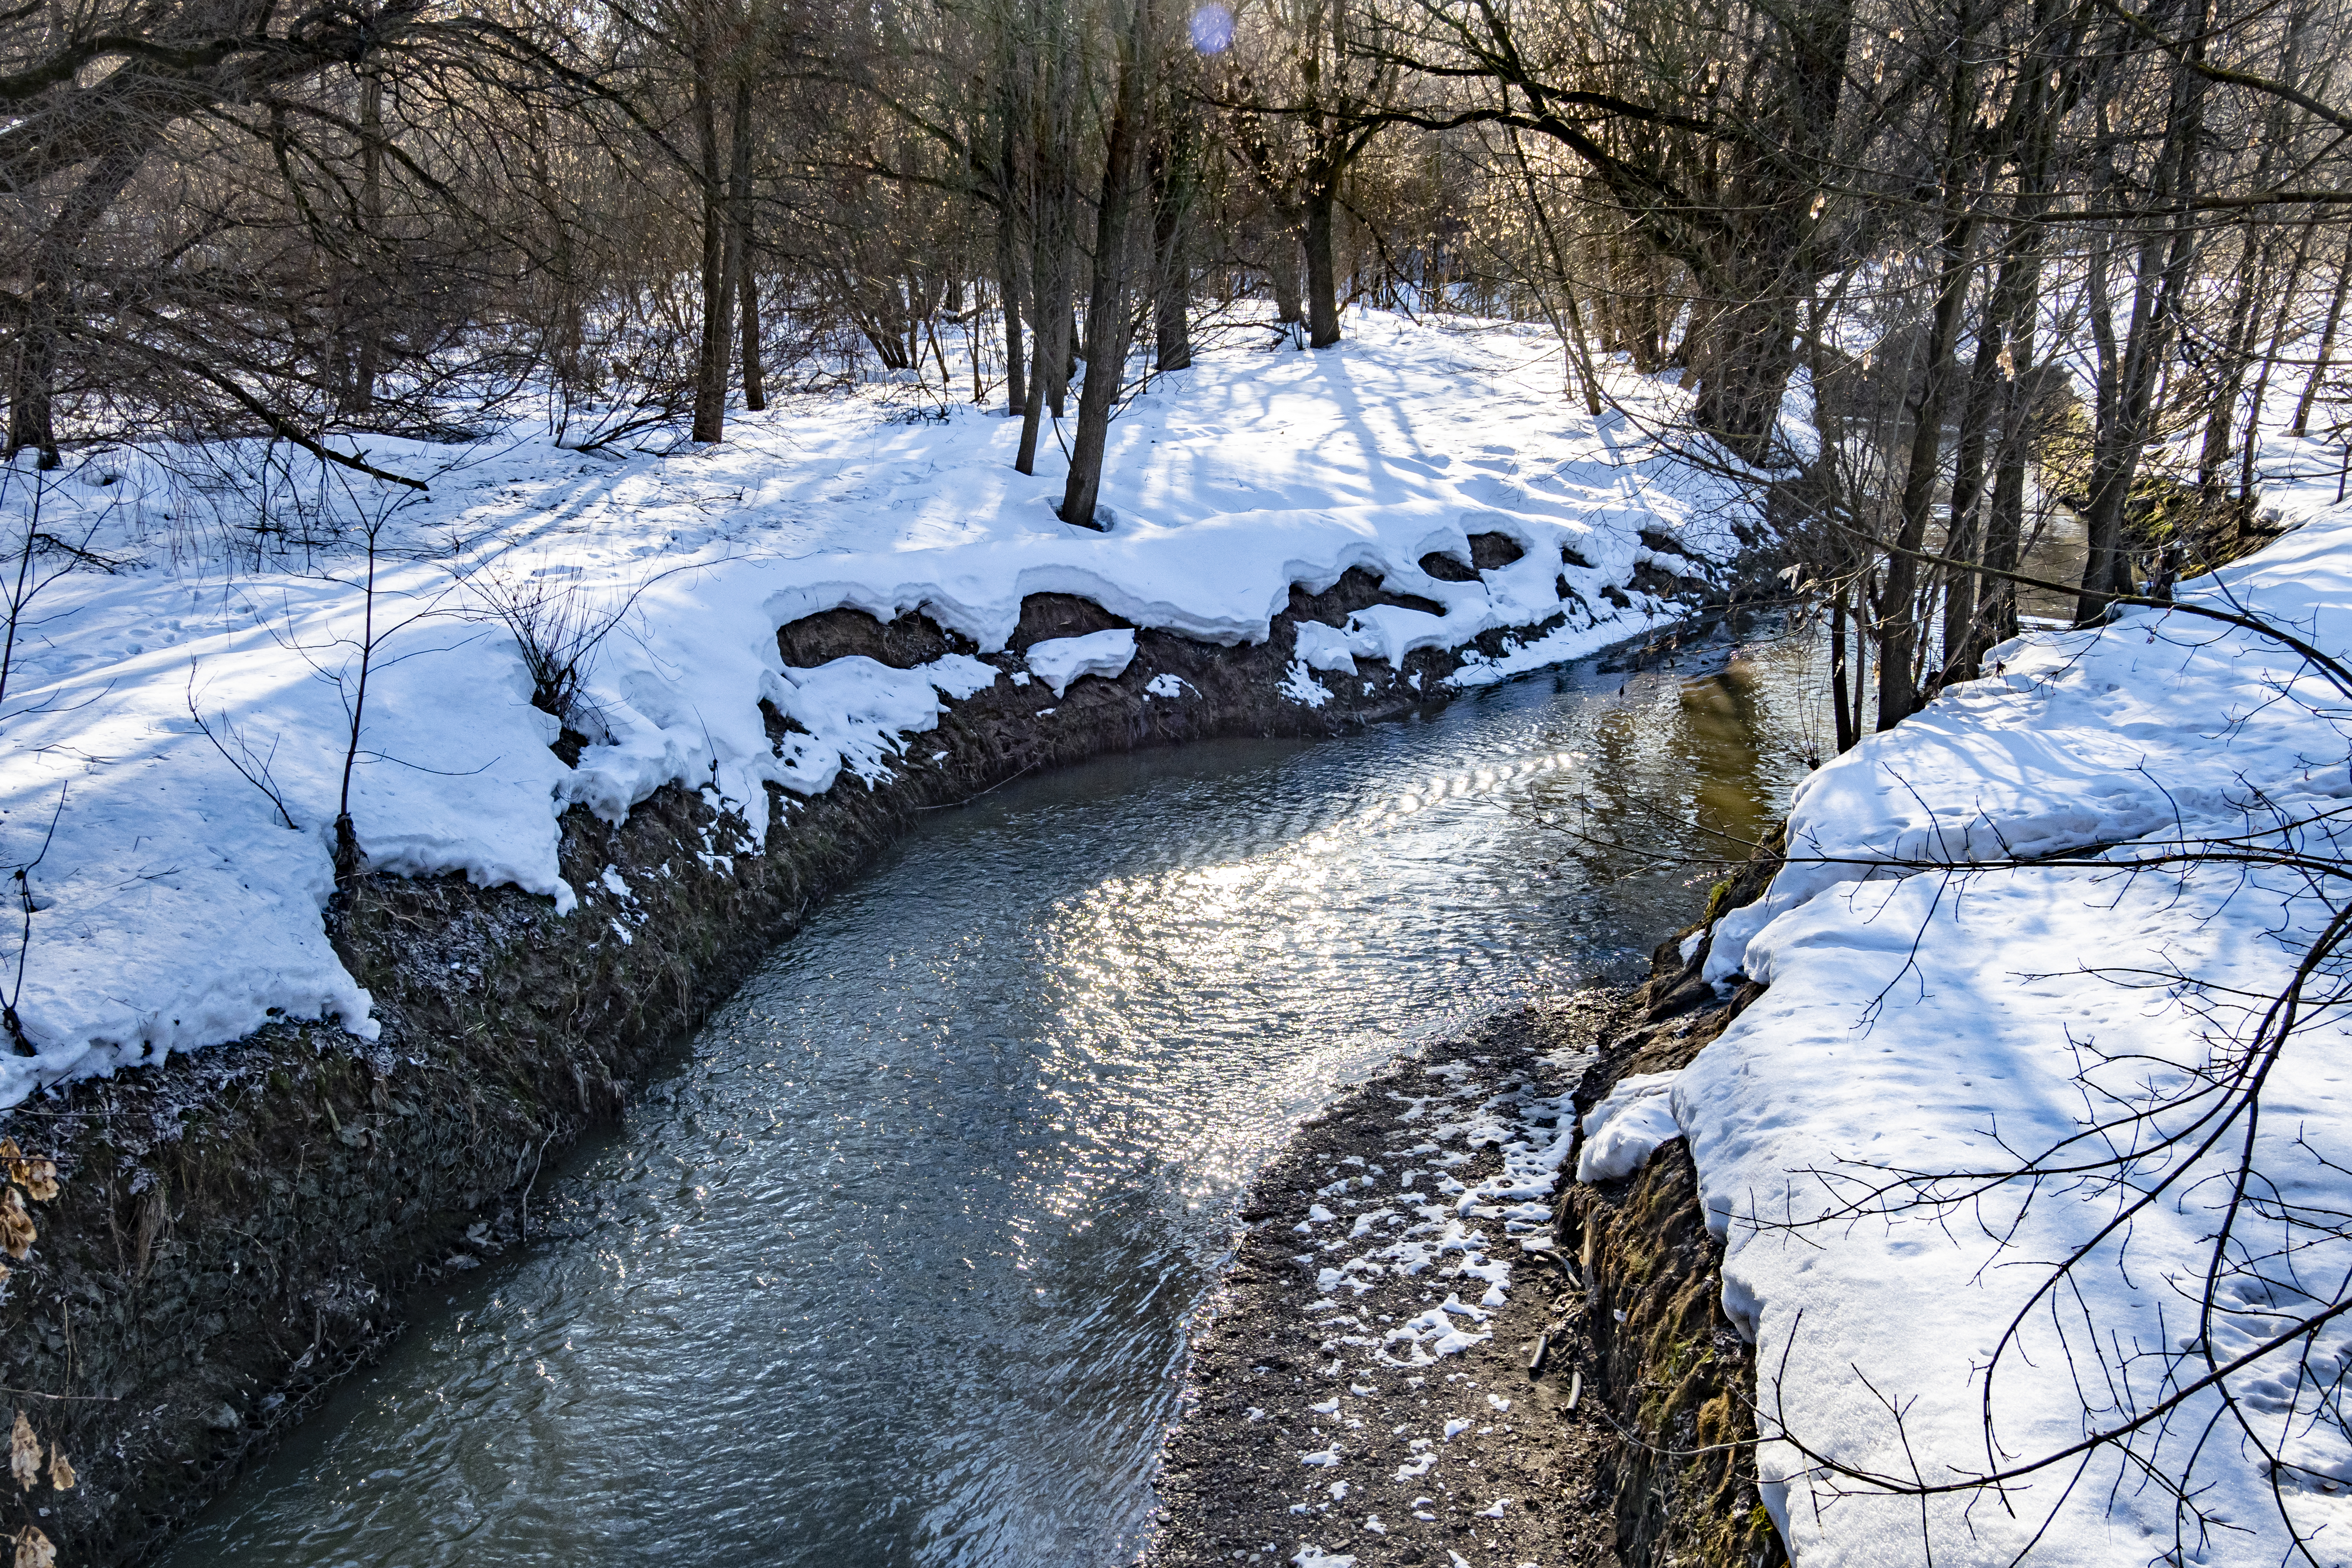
(1676, 1378)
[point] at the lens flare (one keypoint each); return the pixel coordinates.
(1212, 30)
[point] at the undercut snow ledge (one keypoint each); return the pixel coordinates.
(1061, 660)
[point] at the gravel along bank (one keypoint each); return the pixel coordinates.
(1389, 1373)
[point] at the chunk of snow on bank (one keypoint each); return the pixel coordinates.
(1059, 661)
(1623, 1131)
(1165, 685)
(1325, 647)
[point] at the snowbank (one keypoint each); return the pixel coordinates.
(1925, 1020)
(173, 905)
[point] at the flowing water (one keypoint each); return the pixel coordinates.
(892, 1264)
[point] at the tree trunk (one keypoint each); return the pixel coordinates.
(1049, 366)
(1107, 315)
(1741, 357)
(1898, 694)
(2006, 335)
(1171, 236)
(31, 414)
(1008, 269)
(367, 352)
(2015, 303)
(2251, 447)
(2326, 339)
(1282, 269)
(718, 302)
(2215, 448)
(738, 245)
(2164, 257)
(1847, 733)
(1322, 284)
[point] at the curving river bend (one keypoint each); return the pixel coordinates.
(892, 1264)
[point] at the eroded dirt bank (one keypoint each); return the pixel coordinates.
(1629, 1438)
(239, 1229)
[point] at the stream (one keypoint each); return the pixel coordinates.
(892, 1262)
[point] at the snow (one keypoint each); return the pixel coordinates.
(1061, 660)
(173, 909)
(1927, 1016)
(1623, 1131)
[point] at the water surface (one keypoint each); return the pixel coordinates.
(892, 1265)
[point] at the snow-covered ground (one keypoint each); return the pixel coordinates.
(1926, 1022)
(171, 906)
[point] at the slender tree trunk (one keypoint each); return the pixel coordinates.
(2016, 304)
(1010, 189)
(2326, 340)
(717, 304)
(2215, 448)
(1847, 733)
(1322, 282)
(2165, 253)
(2250, 449)
(738, 246)
(1282, 270)
(1049, 368)
(1107, 314)
(2004, 337)
(367, 354)
(1898, 695)
(1171, 236)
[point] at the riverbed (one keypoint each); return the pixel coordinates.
(891, 1263)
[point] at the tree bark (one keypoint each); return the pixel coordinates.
(1107, 315)
(1322, 281)
(1282, 270)
(2165, 253)
(1898, 694)
(1008, 267)
(738, 245)
(31, 412)
(2326, 339)
(718, 302)
(1172, 235)
(367, 352)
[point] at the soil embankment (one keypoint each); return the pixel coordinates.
(238, 1228)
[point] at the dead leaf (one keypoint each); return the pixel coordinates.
(32, 1549)
(25, 1454)
(17, 1232)
(61, 1474)
(37, 1177)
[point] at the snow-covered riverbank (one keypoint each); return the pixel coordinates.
(1959, 1079)
(175, 905)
